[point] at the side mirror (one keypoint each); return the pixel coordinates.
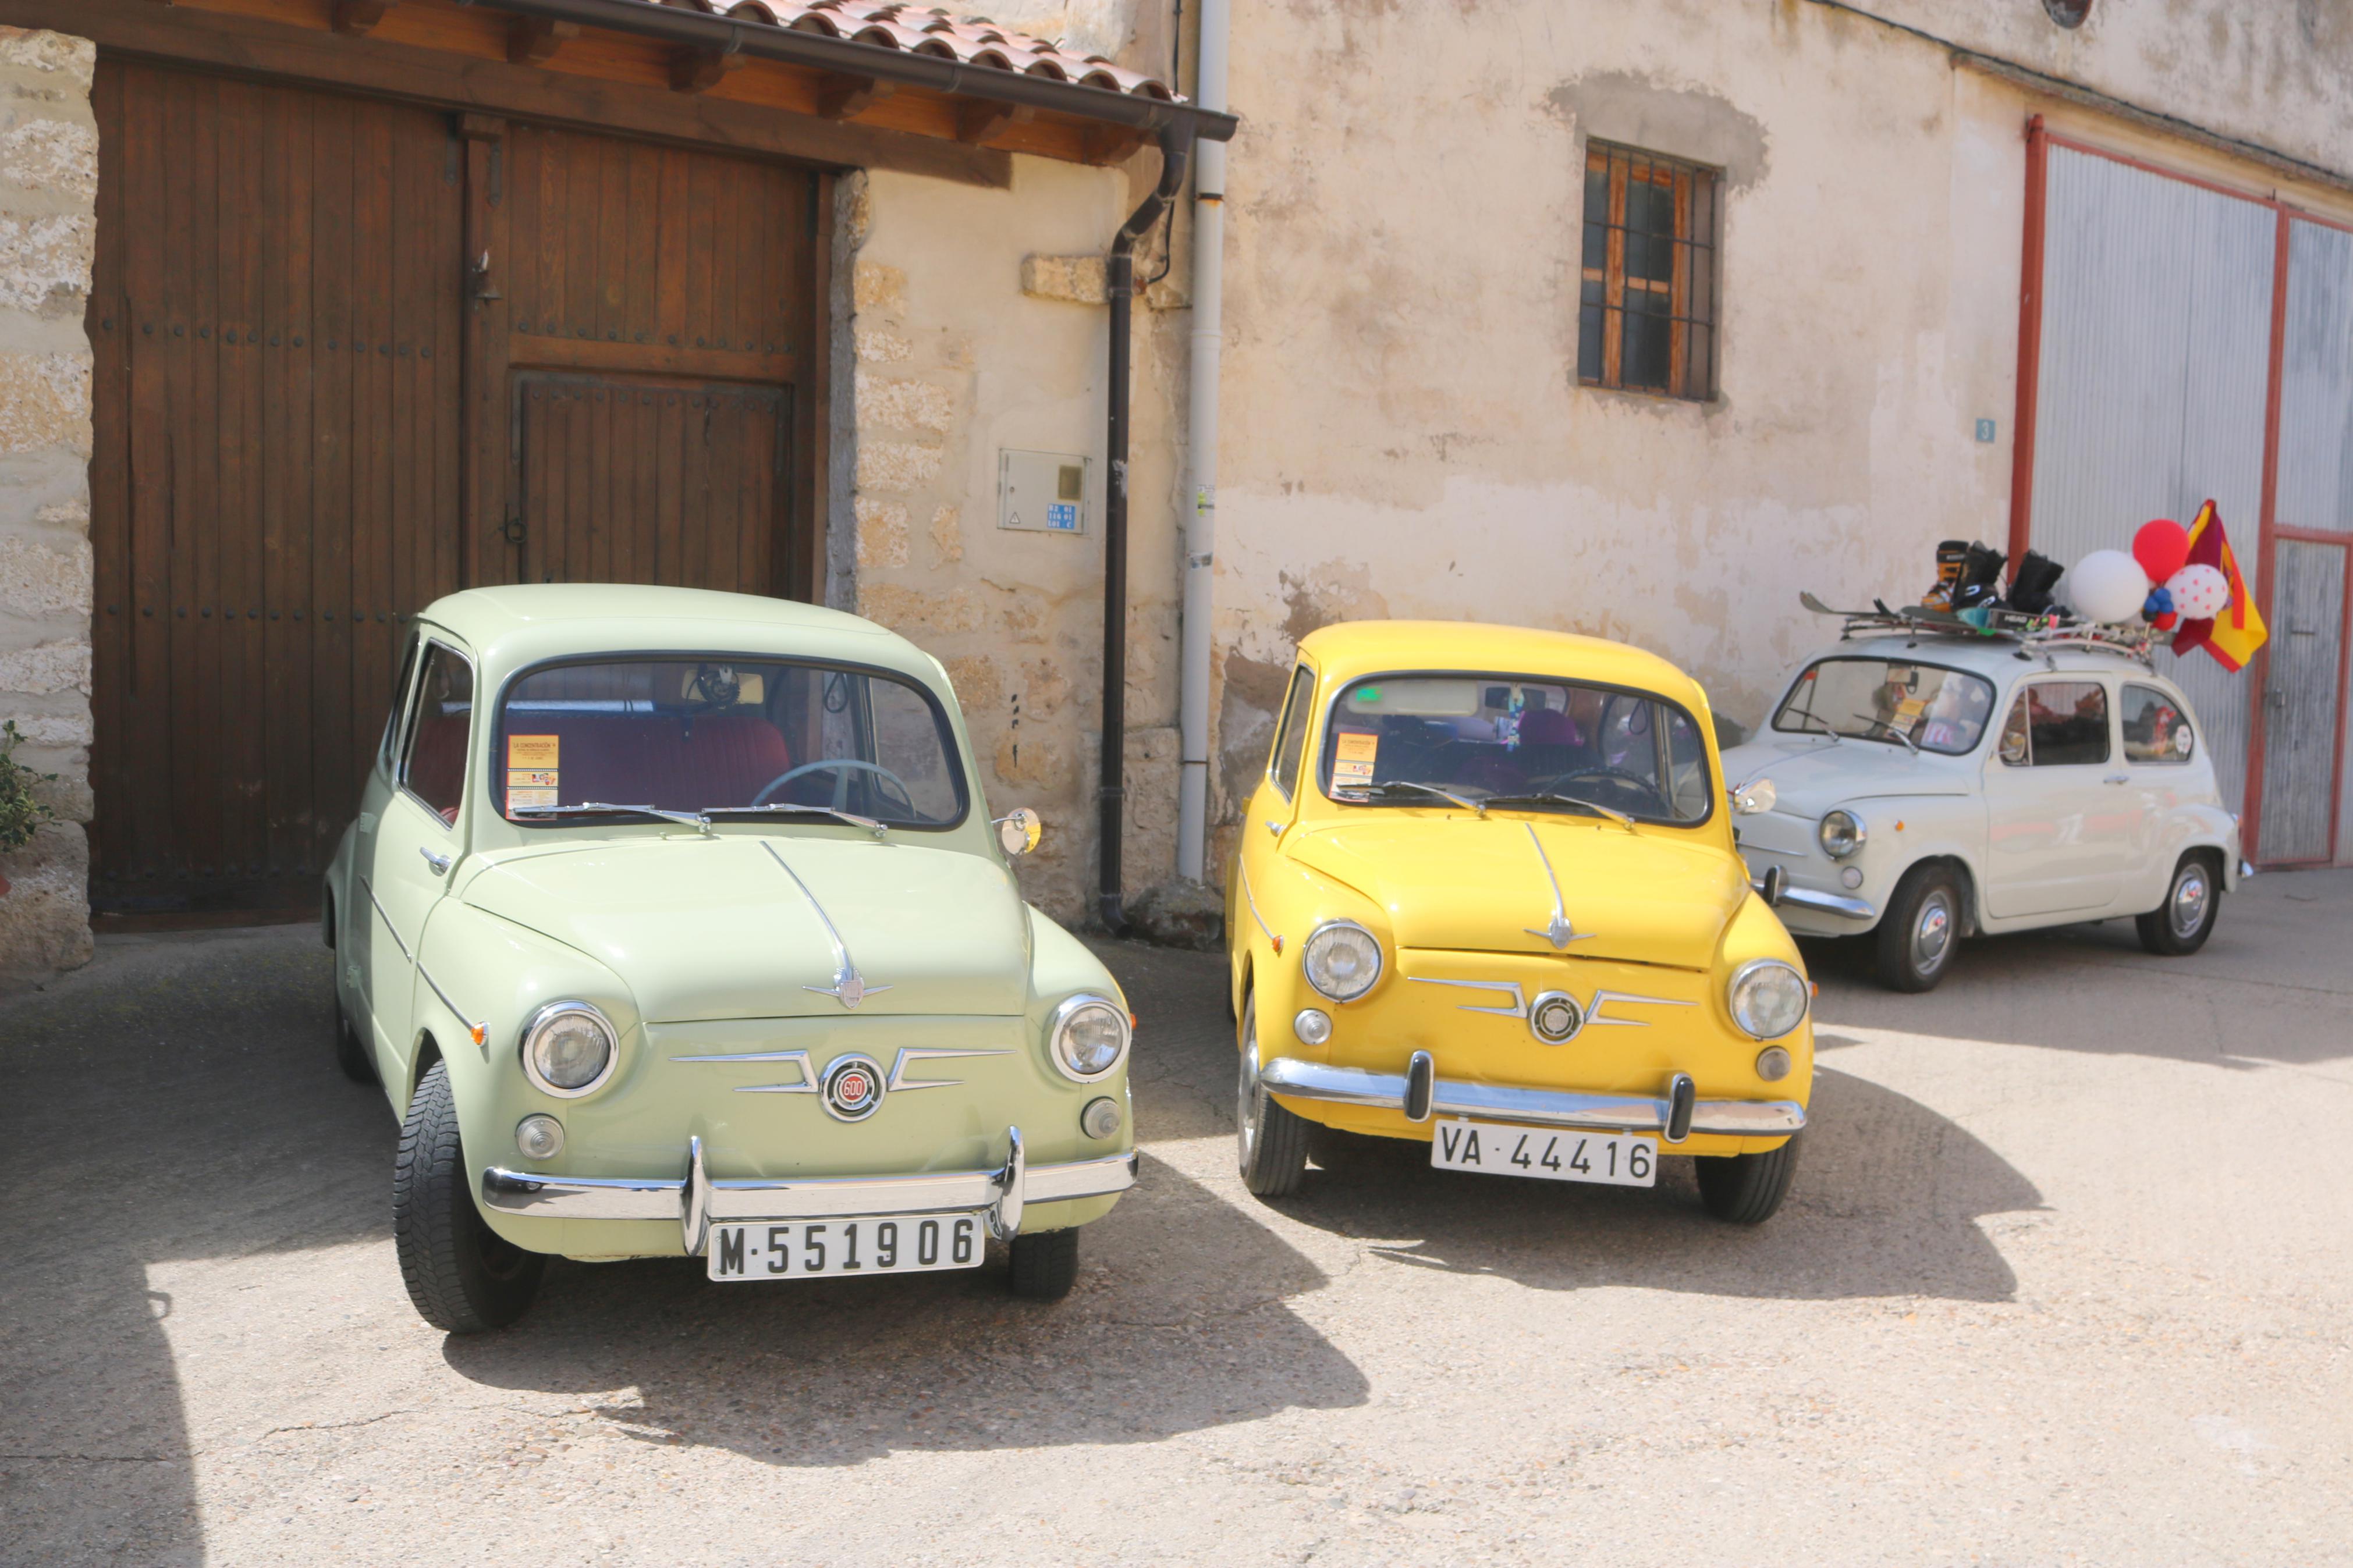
(1752, 797)
(1770, 885)
(1018, 831)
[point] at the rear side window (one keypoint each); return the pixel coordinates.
(2057, 723)
(1291, 744)
(2156, 729)
(433, 767)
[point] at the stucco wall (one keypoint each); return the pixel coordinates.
(951, 362)
(49, 183)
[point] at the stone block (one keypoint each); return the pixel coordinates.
(880, 345)
(1074, 279)
(52, 666)
(1178, 913)
(52, 732)
(899, 465)
(948, 536)
(37, 580)
(45, 262)
(75, 60)
(45, 913)
(894, 403)
(875, 286)
(44, 402)
(882, 532)
(917, 613)
(59, 156)
(979, 685)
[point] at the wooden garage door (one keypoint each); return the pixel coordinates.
(321, 322)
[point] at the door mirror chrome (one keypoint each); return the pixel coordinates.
(1756, 796)
(1018, 831)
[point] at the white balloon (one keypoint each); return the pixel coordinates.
(2200, 593)
(2108, 585)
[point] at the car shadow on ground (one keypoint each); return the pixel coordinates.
(1887, 1201)
(1178, 1322)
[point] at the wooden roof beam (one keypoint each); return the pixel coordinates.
(983, 119)
(699, 70)
(357, 16)
(534, 40)
(841, 97)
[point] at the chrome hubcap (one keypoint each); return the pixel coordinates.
(1247, 1103)
(1933, 933)
(2189, 901)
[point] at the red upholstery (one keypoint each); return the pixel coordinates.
(654, 759)
(436, 760)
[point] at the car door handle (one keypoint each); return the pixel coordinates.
(1274, 827)
(2118, 779)
(439, 863)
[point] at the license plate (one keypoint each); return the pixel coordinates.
(1613, 1159)
(828, 1248)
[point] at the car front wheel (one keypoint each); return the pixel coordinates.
(463, 1276)
(1746, 1189)
(1045, 1264)
(1920, 929)
(2180, 926)
(1271, 1142)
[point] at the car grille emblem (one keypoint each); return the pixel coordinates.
(852, 1088)
(1558, 930)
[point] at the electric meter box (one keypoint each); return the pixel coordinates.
(1042, 492)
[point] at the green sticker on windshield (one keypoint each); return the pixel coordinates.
(1369, 694)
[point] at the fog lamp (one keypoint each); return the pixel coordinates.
(1314, 1026)
(540, 1137)
(1101, 1118)
(1772, 1064)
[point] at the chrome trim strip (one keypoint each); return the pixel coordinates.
(1828, 903)
(1518, 1009)
(1559, 932)
(385, 916)
(1594, 1020)
(481, 1032)
(676, 1199)
(1592, 1010)
(1545, 1107)
(849, 987)
(799, 1060)
(1251, 899)
(910, 1055)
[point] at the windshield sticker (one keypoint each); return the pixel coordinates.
(532, 751)
(1352, 766)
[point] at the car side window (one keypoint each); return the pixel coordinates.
(1290, 742)
(384, 749)
(2155, 728)
(2057, 723)
(433, 763)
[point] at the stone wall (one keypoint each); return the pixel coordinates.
(49, 189)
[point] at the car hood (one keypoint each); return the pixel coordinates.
(1810, 776)
(718, 928)
(1478, 884)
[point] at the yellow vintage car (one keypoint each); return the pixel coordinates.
(1487, 897)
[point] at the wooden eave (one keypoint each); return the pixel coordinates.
(474, 57)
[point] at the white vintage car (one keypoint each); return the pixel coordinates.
(1920, 787)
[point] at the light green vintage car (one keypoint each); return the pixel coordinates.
(673, 923)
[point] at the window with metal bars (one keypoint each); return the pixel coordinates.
(1646, 318)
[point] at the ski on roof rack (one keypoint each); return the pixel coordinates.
(2032, 633)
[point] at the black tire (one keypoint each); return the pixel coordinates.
(1045, 1264)
(2193, 901)
(1913, 946)
(1270, 1142)
(351, 1053)
(1746, 1189)
(463, 1276)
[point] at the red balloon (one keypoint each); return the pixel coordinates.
(2162, 548)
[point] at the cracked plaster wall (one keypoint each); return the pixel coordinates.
(949, 361)
(1402, 431)
(48, 186)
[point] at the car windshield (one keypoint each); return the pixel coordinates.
(1516, 741)
(722, 734)
(1922, 707)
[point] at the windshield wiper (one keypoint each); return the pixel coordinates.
(694, 819)
(1545, 798)
(1913, 745)
(798, 808)
(1387, 787)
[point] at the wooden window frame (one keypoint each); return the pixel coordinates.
(1690, 290)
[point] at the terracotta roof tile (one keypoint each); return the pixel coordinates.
(931, 30)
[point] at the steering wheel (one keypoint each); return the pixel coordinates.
(844, 766)
(1620, 776)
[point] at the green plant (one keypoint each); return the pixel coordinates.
(20, 813)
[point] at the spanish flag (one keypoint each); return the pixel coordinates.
(2233, 635)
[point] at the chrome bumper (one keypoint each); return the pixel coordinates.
(1543, 1107)
(696, 1199)
(1822, 903)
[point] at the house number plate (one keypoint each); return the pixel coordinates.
(828, 1248)
(1613, 1159)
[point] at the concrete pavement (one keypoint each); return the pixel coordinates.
(2067, 1276)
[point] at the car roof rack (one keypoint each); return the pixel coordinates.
(2031, 634)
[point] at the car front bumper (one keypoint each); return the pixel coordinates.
(1297, 1080)
(696, 1199)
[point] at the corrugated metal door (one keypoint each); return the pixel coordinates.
(2153, 383)
(2301, 698)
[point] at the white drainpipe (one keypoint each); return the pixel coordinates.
(1201, 528)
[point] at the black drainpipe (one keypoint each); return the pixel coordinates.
(1175, 147)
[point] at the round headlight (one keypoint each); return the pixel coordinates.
(1841, 834)
(1768, 998)
(1342, 959)
(568, 1049)
(1090, 1037)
